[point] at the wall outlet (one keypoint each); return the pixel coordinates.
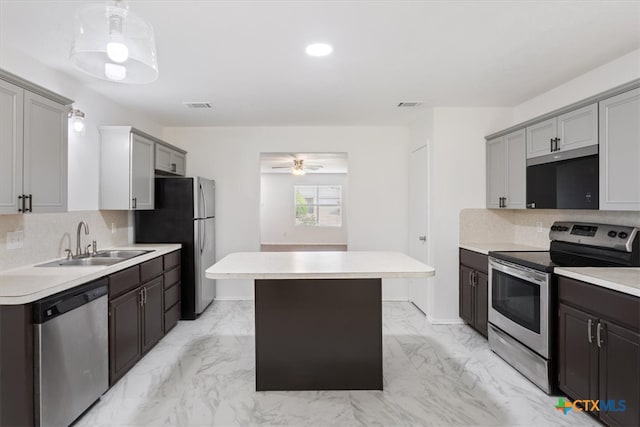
(113, 228)
(15, 239)
(539, 227)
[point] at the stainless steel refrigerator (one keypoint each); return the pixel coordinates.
(184, 213)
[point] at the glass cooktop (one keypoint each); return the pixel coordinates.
(537, 260)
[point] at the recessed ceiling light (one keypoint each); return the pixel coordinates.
(319, 49)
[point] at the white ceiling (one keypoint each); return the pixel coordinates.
(247, 57)
(329, 162)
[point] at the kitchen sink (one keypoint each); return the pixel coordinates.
(74, 262)
(101, 258)
(126, 254)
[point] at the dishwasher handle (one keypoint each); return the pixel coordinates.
(56, 305)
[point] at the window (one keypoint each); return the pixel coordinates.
(318, 205)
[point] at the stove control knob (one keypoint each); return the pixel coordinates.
(554, 228)
(623, 235)
(612, 234)
(563, 228)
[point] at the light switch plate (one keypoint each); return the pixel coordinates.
(15, 239)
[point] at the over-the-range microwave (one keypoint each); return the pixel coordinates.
(565, 180)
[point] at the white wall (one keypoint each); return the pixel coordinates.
(607, 76)
(277, 212)
(457, 181)
(377, 214)
(83, 150)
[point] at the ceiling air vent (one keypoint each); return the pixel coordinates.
(410, 104)
(198, 105)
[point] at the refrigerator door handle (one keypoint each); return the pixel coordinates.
(204, 236)
(204, 203)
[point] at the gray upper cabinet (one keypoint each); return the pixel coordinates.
(45, 154)
(620, 152)
(495, 172)
(574, 129)
(11, 143)
(506, 171)
(33, 149)
(127, 161)
(578, 128)
(540, 138)
(170, 160)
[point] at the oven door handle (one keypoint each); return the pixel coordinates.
(519, 273)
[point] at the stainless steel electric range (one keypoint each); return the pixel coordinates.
(522, 293)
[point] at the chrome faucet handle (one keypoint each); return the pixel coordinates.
(88, 250)
(94, 248)
(69, 253)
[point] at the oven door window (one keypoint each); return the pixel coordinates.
(516, 299)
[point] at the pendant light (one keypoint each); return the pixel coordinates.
(112, 43)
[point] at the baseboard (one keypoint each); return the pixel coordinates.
(454, 321)
(394, 300)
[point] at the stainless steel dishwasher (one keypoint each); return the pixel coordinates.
(71, 352)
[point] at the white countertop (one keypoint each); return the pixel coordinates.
(621, 279)
(318, 265)
(486, 247)
(27, 284)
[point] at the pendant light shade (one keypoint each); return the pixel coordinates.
(112, 43)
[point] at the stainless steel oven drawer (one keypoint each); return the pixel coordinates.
(530, 364)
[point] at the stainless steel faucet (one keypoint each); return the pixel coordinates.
(79, 243)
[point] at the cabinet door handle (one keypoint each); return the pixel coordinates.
(589, 336)
(557, 145)
(471, 278)
(173, 167)
(21, 203)
(598, 334)
(551, 145)
(30, 203)
(135, 202)
(504, 202)
(141, 298)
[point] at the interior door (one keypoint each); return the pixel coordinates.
(418, 199)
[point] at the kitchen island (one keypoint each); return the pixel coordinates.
(318, 315)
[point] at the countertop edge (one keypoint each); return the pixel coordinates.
(485, 248)
(597, 281)
(337, 275)
(96, 273)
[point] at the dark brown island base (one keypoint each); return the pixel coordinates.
(318, 316)
(318, 334)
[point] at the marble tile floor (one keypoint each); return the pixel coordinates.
(202, 374)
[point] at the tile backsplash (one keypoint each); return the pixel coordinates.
(46, 236)
(522, 226)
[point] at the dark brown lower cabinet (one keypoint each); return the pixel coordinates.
(125, 333)
(474, 290)
(599, 349)
(137, 317)
(152, 313)
(482, 303)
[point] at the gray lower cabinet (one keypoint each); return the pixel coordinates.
(620, 152)
(506, 171)
(33, 152)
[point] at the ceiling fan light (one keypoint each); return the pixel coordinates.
(298, 172)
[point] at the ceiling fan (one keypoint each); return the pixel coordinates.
(298, 167)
